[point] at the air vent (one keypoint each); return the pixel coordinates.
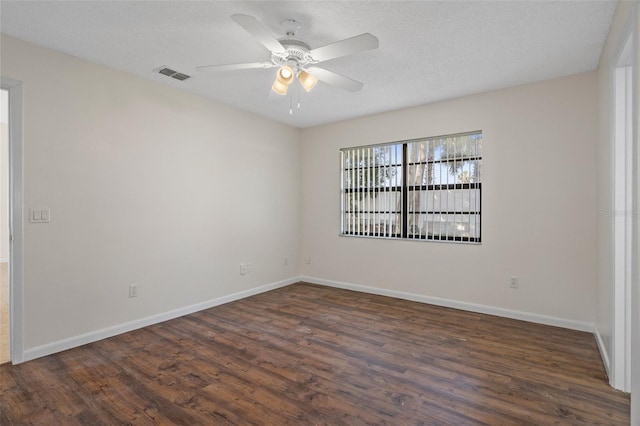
(173, 73)
(167, 71)
(180, 76)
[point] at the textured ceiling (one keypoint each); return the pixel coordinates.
(429, 50)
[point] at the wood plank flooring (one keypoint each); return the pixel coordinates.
(312, 355)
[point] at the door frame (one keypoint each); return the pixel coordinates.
(625, 346)
(16, 218)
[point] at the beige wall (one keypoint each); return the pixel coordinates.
(146, 184)
(538, 203)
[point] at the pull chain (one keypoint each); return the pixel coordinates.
(291, 101)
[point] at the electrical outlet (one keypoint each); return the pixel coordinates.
(243, 269)
(514, 282)
(286, 261)
(307, 260)
(133, 290)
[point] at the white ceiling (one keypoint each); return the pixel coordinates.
(429, 50)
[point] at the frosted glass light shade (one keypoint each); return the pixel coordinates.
(279, 88)
(286, 72)
(307, 80)
(285, 75)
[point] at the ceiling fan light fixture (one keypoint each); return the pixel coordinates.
(285, 75)
(279, 88)
(307, 80)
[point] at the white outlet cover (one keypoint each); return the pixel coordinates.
(133, 290)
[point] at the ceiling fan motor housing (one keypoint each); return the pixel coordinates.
(296, 54)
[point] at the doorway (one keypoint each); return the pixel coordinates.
(5, 339)
(625, 218)
(11, 99)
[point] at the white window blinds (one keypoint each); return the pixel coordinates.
(424, 189)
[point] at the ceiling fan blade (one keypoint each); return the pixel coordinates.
(345, 47)
(231, 67)
(334, 79)
(258, 31)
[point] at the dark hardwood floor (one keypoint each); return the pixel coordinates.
(312, 355)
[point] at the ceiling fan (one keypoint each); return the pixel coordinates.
(295, 58)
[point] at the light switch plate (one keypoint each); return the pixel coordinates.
(40, 215)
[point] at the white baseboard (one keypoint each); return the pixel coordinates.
(83, 339)
(603, 352)
(104, 333)
(3, 260)
(472, 307)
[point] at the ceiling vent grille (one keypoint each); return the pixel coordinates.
(180, 76)
(172, 73)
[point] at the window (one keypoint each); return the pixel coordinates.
(424, 189)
